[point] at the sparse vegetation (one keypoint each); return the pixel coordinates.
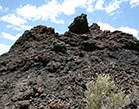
(103, 94)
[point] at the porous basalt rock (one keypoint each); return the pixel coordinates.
(95, 26)
(40, 29)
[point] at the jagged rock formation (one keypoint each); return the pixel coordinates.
(45, 70)
(79, 25)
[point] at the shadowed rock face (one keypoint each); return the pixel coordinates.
(79, 25)
(45, 70)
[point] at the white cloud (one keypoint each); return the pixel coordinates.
(6, 9)
(105, 26)
(51, 11)
(9, 36)
(57, 21)
(129, 30)
(110, 8)
(4, 48)
(25, 27)
(1, 8)
(99, 5)
(68, 6)
(16, 22)
(134, 3)
(113, 6)
(89, 6)
(28, 12)
(19, 28)
(14, 27)
(13, 19)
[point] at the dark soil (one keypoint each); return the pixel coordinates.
(45, 70)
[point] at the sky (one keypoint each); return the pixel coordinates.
(16, 16)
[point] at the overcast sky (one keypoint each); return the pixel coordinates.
(16, 16)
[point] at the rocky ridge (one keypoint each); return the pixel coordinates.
(45, 70)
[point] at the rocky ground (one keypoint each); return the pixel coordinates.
(45, 70)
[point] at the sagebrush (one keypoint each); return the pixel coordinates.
(103, 94)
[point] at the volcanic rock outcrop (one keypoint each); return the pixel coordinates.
(80, 25)
(45, 70)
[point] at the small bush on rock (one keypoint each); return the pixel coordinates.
(103, 94)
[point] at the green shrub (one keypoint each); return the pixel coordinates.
(103, 94)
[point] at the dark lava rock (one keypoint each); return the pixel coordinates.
(79, 25)
(95, 27)
(45, 70)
